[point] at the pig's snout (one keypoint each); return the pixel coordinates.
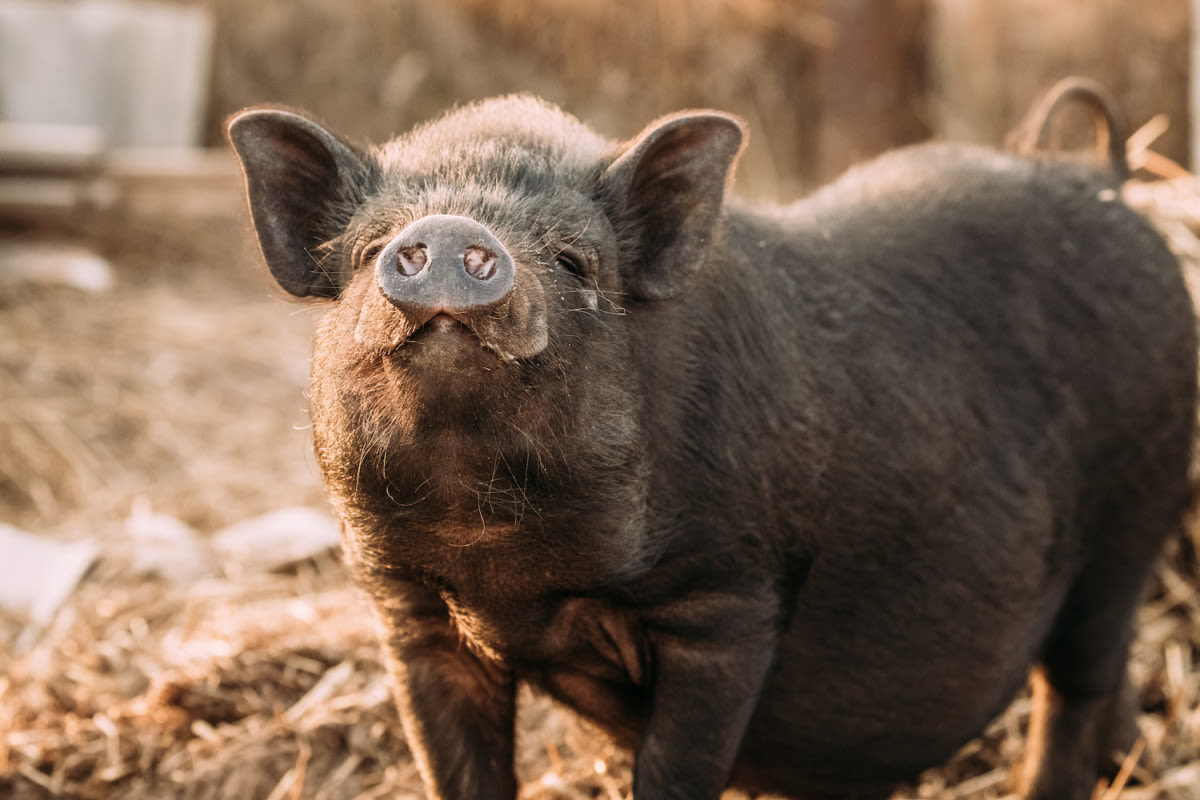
(444, 264)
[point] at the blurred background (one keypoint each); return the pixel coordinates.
(173, 618)
(821, 82)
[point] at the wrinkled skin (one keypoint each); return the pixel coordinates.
(784, 498)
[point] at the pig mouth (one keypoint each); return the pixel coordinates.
(468, 338)
(443, 325)
(442, 331)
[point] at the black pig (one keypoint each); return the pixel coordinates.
(786, 498)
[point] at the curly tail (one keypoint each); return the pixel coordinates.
(1032, 135)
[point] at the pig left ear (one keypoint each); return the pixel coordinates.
(671, 181)
(300, 179)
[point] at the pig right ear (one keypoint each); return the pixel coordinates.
(299, 179)
(672, 181)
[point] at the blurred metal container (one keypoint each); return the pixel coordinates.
(137, 71)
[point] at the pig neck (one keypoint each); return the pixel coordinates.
(728, 392)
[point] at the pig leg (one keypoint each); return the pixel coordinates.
(458, 708)
(1084, 715)
(1071, 745)
(710, 661)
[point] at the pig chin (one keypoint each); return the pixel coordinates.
(444, 360)
(443, 356)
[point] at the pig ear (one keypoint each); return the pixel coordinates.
(299, 179)
(672, 181)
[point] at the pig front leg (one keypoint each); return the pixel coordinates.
(711, 658)
(457, 707)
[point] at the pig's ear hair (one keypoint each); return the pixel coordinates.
(671, 182)
(299, 180)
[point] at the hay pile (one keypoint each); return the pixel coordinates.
(181, 389)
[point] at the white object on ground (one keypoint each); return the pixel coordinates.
(163, 545)
(64, 265)
(37, 574)
(275, 539)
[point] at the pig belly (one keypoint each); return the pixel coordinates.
(873, 690)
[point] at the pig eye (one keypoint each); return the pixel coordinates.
(571, 262)
(368, 254)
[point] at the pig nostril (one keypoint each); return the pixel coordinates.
(412, 260)
(479, 262)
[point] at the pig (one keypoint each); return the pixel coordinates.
(790, 498)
